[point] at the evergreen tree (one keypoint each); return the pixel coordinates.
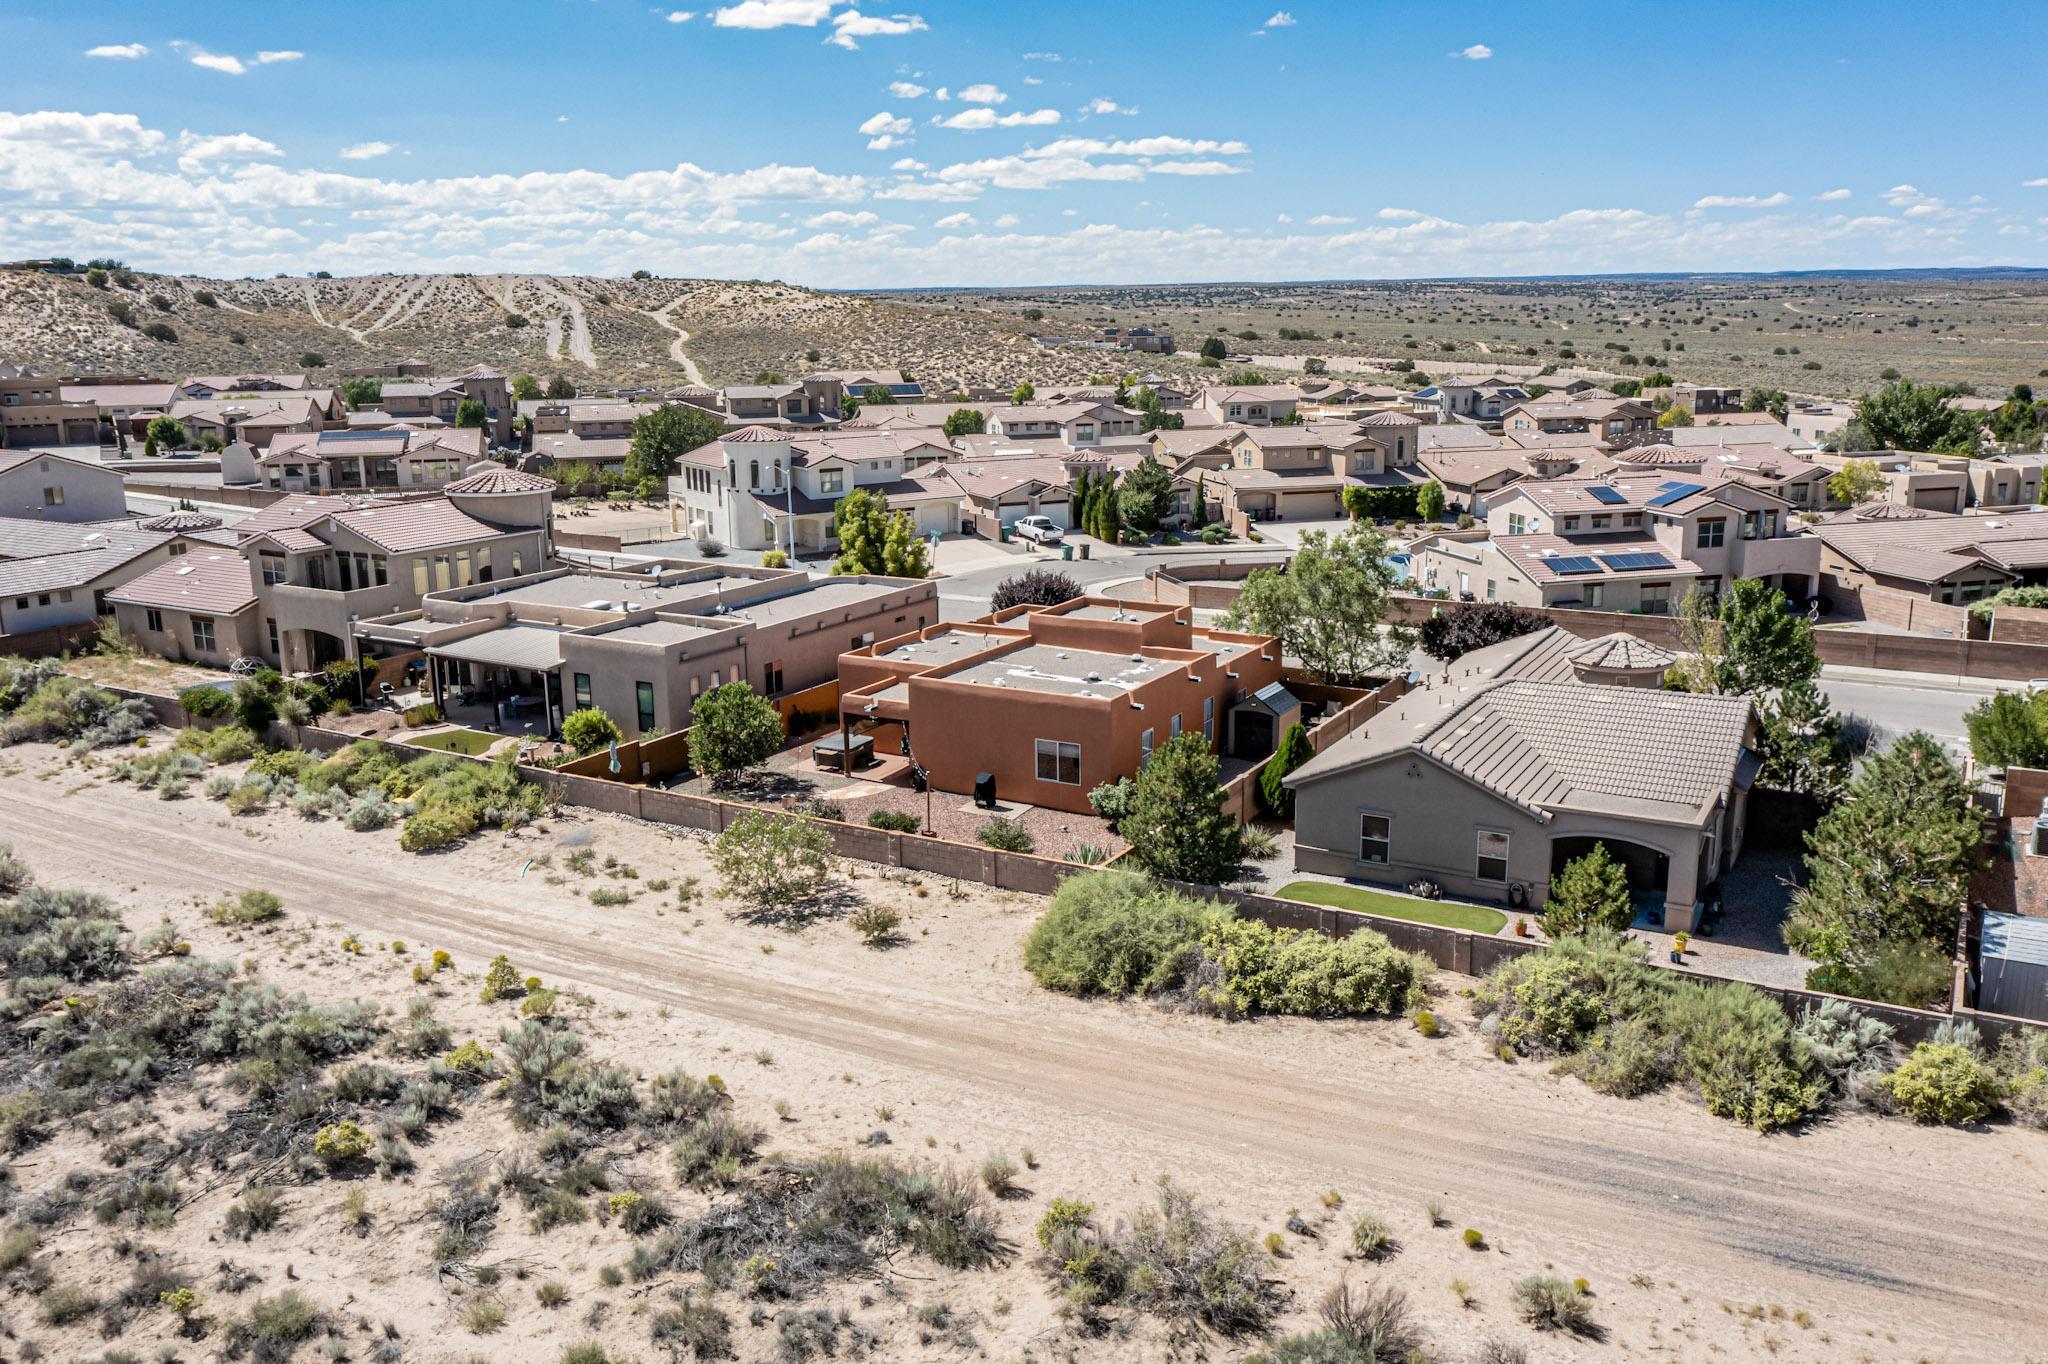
(1145, 495)
(874, 540)
(1800, 741)
(1429, 501)
(1591, 892)
(1176, 827)
(1294, 750)
(1889, 866)
(665, 435)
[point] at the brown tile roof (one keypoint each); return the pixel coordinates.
(180, 521)
(1620, 652)
(755, 435)
(402, 526)
(496, 480)
(210, 583)
(1534, 555)
(1932, 548)
(1628, 752)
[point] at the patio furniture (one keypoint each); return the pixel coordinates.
(844, 753)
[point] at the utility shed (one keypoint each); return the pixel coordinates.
(2012, 966)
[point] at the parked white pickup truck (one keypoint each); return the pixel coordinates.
(1039, 529)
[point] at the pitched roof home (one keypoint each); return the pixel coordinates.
(394, 457)
(55, 574)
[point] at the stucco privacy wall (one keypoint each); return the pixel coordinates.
(1451, 949)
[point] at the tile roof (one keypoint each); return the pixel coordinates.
(180, 521)
(1932, 548)
(209, 583)
(25, 538)
(402, 526)
(1535, 555)
(755, 435)
(1620, 652)
(63, 571)
(497, 480)
(1552, 746)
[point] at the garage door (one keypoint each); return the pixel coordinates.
(1056, 512)
(938, 518)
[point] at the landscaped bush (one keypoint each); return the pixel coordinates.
(1006, 835)
(1261, 969)
(1117, 934)
(898, 821)
(1944, 1082)
(205, 702)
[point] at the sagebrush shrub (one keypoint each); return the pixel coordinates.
(1944, 1082)
(1261, 969)
(1550, 1304)
(1115, 933)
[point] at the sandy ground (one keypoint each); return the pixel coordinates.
(1701, 1240)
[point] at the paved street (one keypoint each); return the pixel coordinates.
(1896, 703)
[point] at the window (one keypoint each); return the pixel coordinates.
(1656, 599)
(1713, 533)
(1602, 522)
(53, 497)
(771, 678)
(271, 626)
(1145, 749)
(831, 480)
(1209, 720)
(1631, 520)
(643, 692)
(1375, 839)
(582, 685)
(419, 577)
(178, 547)
(1058, 762)
(1493, 856)
(696, 686)
(1571, 523)
(1518, 524)
(753, 473)
(152, 620)
(861, 641)
(273, 568)
(1596, 595)
(202, 634)
(444, 572)
(379, 567)
(1173, 730)
(1491, 589)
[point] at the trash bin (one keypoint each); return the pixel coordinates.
(1066, 551)
(1002, 532)
(1084, 550)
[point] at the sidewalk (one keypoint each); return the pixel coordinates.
(1892, 677)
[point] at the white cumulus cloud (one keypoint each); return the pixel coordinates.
(1282, 19)
(2041, 183)
(908, 163)
(1007, 220)
(126, 52)
(975, 120)
(772, 14)
(1743, 200)
(1402, 215)
(195, 152)
(272, 58)
(1099, 105)
(1478, 52)
(366, 151)
(849, 25)
(228, 66)
(681, 16)
(885, 122)
(839, 217)
(907, 89)
(1329, 220)
(983, 93)
(962, 219)
(1830, 196)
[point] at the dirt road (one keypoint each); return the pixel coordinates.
(1903, 1242)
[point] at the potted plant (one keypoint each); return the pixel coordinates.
(1678, 946)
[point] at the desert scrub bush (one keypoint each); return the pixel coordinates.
(2022, 1065)
(14, 873)
(1847, 1046)
(1372, 1238)
(999, 1175)
(585, 1352)
(1063, 1217)
(205, 702)
(282, 1320)
(551, 1294)
(1368, 1326)
(181, 1301)
(466, 1214)
(17, 1243)
(277, 1036)
(539, 1002)
(714, 1149)
(547, 1078)
(692, 1329)
(1116, 933)
(62, 1304)
(248, 798)
(501, 981)
(1261, 969)
(1006, 835)
(483, 1315)
(219, 787)
(798, 1226)
(85, 717)
(896, 821)
(368, 812)
(1172, 1261)
(260, 1208)
(1550, 1304)
(1735, 1045)
(73, 934)
(1473, 1238)
(249, 907)
(676, 1101)
(1548, 1003)
(876, 924)
(421, 1034)
(609, 896)
(341, 1143)
(771, 862)
(1944, 1082)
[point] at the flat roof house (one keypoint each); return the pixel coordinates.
(1489, 778)
(1053, 701)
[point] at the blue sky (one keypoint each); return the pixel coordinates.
(899, 143)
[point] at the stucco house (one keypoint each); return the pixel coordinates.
(1490, 777)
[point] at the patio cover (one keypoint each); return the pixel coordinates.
(532, 648)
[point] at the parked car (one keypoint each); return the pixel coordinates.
(1038, 529)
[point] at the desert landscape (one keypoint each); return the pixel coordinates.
(476, 1236)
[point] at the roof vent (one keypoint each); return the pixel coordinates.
(1137, 658)
(1091, 675)
(183, 569)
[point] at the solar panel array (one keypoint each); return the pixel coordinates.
(1629, 563)
(1613, 497)
(1565, 565)
(1674, 492)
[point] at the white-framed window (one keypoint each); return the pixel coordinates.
(1491, 863)
(202, 634)
(831, 480)
(1375, 839)
(1059, 762)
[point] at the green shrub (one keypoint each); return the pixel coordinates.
(284, 1319)
(1063, 1216)
(1006, 835)
(205, 702)
(250, 907)
(1261, 969)
(247, 799)
(1372, 1238)
(1368, 1326)
(1736, 1045)
(1550, 1002)
(18, 1243)
(62, 1304)
(772, 861)
(501, 980)
(589, 729)
(1173, 1261)
(2022, 1066)
(897, 821)
(1115, 933)
(1473, 1238)
(426, 831)
(422, 715)
(1550, 1304)
(876, 924)
(339, 1143)
(1944, 1082)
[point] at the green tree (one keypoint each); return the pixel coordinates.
(96, 277)
(589, 729)
(1199, 503)
(1213, 348)
(1145, 495)
(772, 861)
(526, 388)
(1910, 416)
(361, 393)
(2010, 729)
(731, 730)
(167, 433)
(1275, 795)
(1590, 892)
(1889, 866)
(1674, 415)
(1857, 481)
(1429, 501)
(1799, 739)
(665, 435)
(1177, 828)
(1772, 400)
(966, 421)
(1765, 645)
(874, 395)
(1327, 606)
(559, 387)
(872, 539)
(1023, 393)
(470, 412)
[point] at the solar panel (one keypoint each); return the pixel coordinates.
(1676, 491)
(1629, 563)
(1600, 492)
(1565, 565)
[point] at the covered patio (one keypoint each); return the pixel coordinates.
(507, 679)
